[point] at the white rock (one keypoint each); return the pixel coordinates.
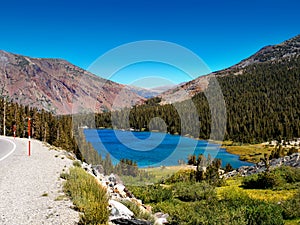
(119, 211)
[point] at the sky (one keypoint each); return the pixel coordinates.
(220, 32)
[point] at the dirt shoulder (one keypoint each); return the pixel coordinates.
(31, 188)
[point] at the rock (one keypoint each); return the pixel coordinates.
(128, 193)
(112, 178)
(118, 210)
(122, 221)
(99, 168)
(292, 160)
(161, 218)
(119, 188)
(161, 221)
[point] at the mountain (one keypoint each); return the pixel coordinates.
(58, 86)
(144, 92)
(271, 53)
(261, 101)
(150, 92)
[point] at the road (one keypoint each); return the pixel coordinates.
(31, 185)
(7, 147)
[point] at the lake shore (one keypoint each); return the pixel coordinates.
(156, 149)
(248, 152)
(251, 153)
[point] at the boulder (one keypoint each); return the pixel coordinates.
(118, 210)
(122, 221)
(161, 218)
(119, 188)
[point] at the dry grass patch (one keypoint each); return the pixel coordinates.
(248, 152)
(258, 194)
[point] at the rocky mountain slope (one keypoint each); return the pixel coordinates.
(58, 86)
(150, 92)
(272, 53)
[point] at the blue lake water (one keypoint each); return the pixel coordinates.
(150, 149)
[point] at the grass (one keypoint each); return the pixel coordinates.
(61, 198)
(259, 194)
(292, 222)
(267, 195)
(138, 212)
(248, 152)
(77, 163)
(163, 172)
(88, 196)
(152, 175)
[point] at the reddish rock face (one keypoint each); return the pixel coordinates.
(58, 86)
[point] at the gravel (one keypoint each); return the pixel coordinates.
(31, 187)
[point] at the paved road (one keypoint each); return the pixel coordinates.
(7, 147)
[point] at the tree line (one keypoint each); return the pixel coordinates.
(262, 104)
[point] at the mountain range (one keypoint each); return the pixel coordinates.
(60, 87)
(271, 53)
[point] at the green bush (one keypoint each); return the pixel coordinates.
(64, 176)
(151, 193)
(265, 180)
(278, 178)
(290, 174)
(88, 196)
(235, 209)
(182, 176)
(262, 213)
(77, 163)
(193, 191)
(291, 207)
(201, 212)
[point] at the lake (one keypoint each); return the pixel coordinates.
(152, 149)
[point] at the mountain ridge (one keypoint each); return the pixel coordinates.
(275, 53)
(58, 86)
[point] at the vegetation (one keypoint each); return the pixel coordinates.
(199, 204)
(262, 104)
(248, 152)
(256, 103)
(151, 193)
(280, 178)
(137, 211)
(202, 202)
(88, 196)
(291, 207)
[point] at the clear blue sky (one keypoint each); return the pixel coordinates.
(221, 32)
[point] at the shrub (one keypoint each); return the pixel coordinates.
(290, 174)
(255, 212)
(182, 176)
(64, 176)
(236, 208)
(291, 207)
(151, 193)
(194, 192)
(262, 213)
(88, 196)
(275, 179)
(77, 163)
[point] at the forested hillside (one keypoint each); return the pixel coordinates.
(262, 103)
(55, 130)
